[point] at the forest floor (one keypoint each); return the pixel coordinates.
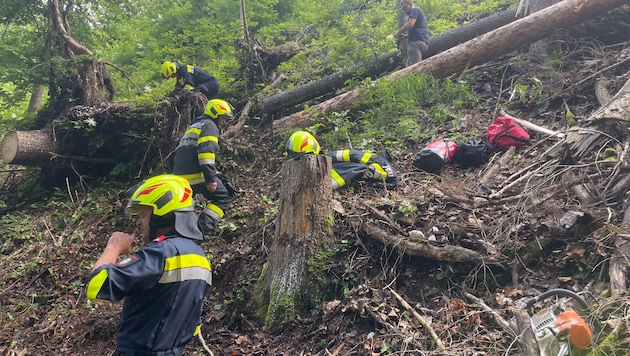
(527, 245)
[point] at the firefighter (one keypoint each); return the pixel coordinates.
(195, 160)
(347, 165)
(192, 78)
(164, 282)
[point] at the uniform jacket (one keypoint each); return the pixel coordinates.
(192, 77)
(353, 165)
(163, 285)
(195, 158)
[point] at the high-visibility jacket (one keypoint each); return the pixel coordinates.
(353, 165)
(195, 158)
(163, 285)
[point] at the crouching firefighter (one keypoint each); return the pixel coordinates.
(347, 165)
(163, 283)
(195, 160)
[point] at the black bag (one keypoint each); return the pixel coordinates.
(435, 155)
(473, 153)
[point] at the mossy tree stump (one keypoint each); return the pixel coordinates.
(294, 280)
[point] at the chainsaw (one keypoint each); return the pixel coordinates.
(560, 327)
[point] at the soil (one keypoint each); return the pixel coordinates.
(526, 249)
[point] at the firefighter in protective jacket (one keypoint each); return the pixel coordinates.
(163, 283)
(195, 160)
(347, 165)
(192, 78)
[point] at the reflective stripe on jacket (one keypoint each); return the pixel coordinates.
(163, 286)
(195, 158)
(352, 165)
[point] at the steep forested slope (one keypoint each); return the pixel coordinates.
(538, 217)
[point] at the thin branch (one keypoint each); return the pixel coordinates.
(419, 317)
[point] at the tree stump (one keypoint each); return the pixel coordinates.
(293, 279)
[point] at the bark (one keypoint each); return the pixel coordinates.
(539, 47)
(469, 31)
(82, 85)
(469, 54)
(385, 62)
(292, 279)
(244, 114)
(329, 83)
(244, 21)
(36, 99)
(28, 148)
(438, 253)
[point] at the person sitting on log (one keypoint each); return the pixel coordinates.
(192, 78)
(347, 165)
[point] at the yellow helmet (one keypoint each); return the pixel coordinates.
(165, 193)
(301, 142)
(217, 107)
(168, 69)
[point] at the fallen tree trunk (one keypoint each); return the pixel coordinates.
(28, 148)
(330, 83)
(385, 63)
(466, 55)
(438, 253)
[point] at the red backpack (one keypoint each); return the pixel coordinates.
(434, 155)
(504, 132)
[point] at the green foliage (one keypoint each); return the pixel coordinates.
(138, 35)
(17, 227)
(410, 108)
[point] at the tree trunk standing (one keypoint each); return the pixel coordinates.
(36, 99)
(469, 54)
(293, 279)
(402, 42)
(244, 22)
(86, 76)
(539, 47)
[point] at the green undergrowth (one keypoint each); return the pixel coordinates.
(414, 108)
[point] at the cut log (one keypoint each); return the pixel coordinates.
(292, 280)
(466, 55)
(385, 63)
(28, 148)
